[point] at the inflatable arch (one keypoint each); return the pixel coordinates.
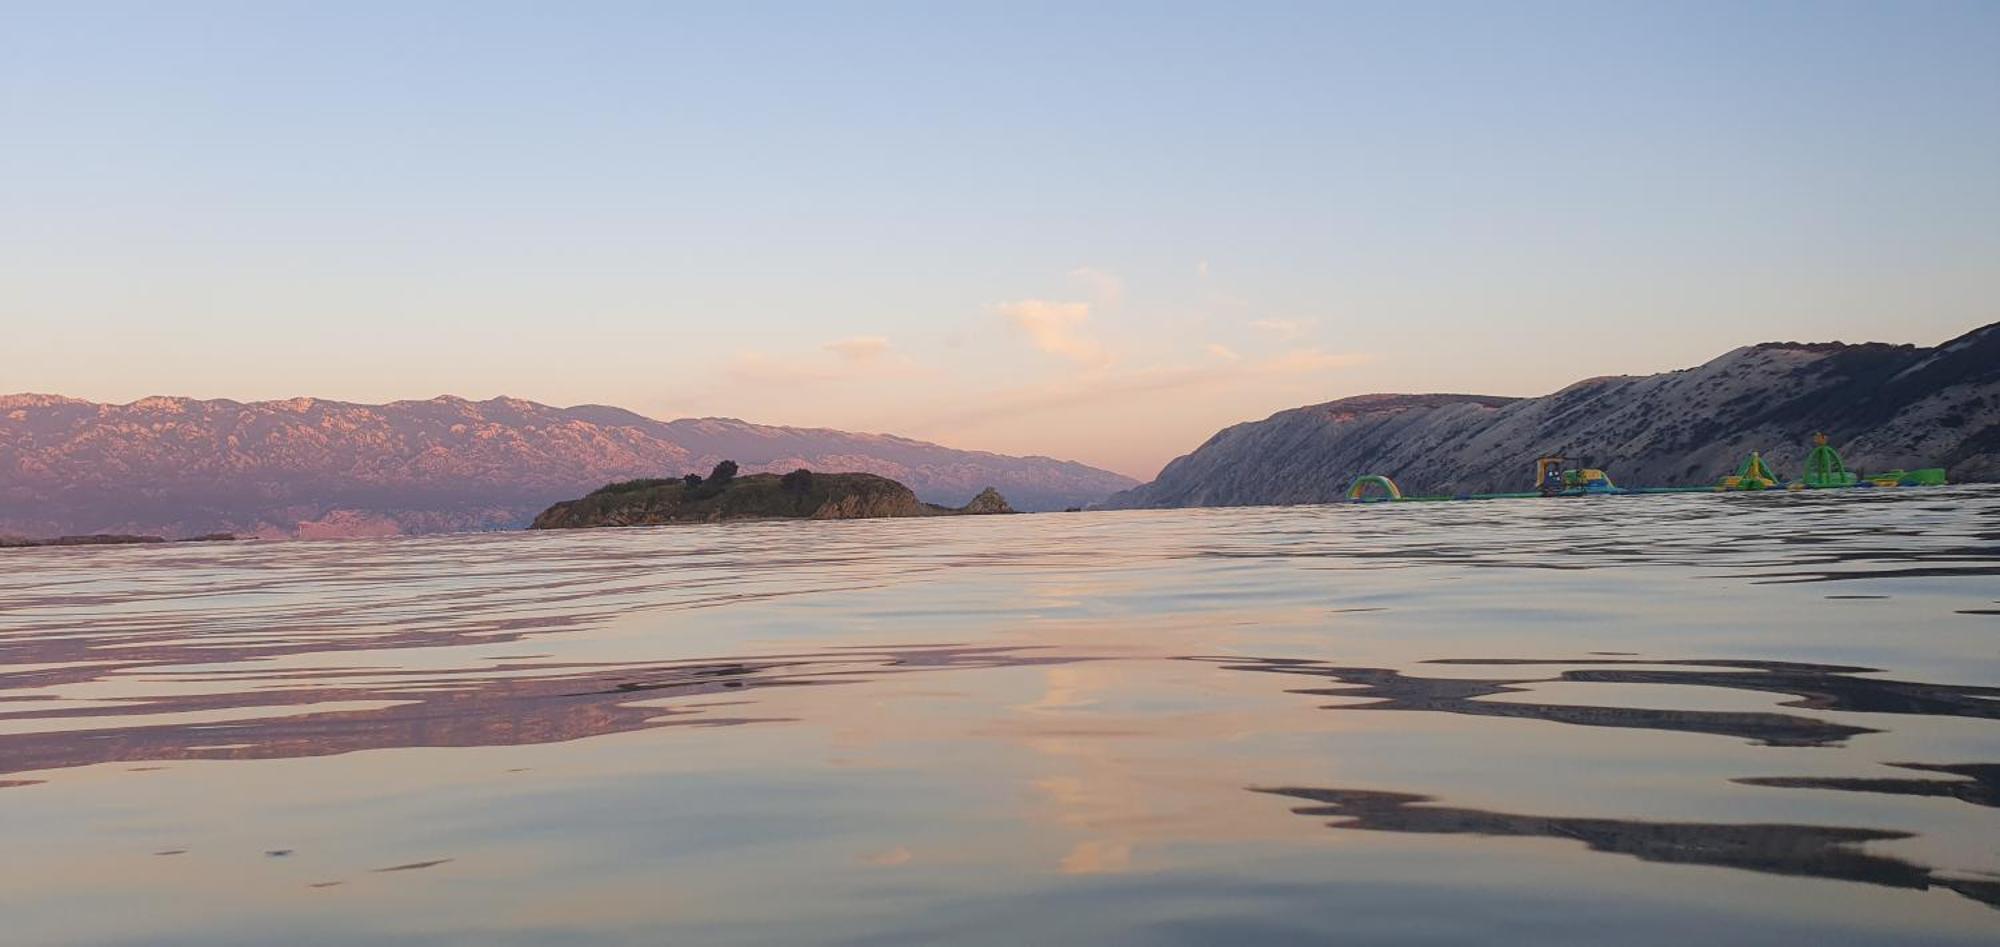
(1359, 490)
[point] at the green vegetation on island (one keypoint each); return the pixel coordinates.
(723, 496)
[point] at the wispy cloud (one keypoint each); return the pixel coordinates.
(764, 368)
(1307, 360)
(1105, 289)
(1069, 393)
(1287, 329)
(1086, 390)
(1057, 328)
(1224, 352)
(860, 349)
(854, 358)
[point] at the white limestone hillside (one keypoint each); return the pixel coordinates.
(1883, 406)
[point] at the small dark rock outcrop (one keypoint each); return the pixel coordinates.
(989, 500)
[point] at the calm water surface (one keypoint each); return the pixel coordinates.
(1744, 719)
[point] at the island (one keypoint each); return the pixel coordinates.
(723, 496)
(109, 539)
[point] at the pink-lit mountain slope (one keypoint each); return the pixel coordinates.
(306, 467)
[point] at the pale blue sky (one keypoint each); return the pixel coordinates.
(1097, 231)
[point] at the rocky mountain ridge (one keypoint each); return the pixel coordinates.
(1883, 406)
(315, 468)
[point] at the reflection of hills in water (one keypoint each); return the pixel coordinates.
(506, 705)
(1981, 787)
(1817, 851)
(1815, 687)
(1761, 539)
(529, 702)
(1806, 850)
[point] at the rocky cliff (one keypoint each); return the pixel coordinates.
(1883, 406)
(308, 467)
(838, 496)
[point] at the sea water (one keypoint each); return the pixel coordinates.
(1718, 719)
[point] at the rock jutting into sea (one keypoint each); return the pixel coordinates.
(797, 495)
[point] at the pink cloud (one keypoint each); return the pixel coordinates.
(1057, 328)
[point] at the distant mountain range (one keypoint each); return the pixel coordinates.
(313, 468)
(1882, 406)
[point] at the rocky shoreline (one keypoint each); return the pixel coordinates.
(109, 539)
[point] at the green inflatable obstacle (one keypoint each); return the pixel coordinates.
(1922, 477)
(1359, 491)
(1824, 469)
(1755, 474)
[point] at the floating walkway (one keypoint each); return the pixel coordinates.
(1824, 470)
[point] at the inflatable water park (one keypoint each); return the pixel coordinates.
(1824, 470)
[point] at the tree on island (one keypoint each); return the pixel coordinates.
(698, 488)
(799, 482)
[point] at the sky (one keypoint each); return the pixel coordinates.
(1093, 231)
